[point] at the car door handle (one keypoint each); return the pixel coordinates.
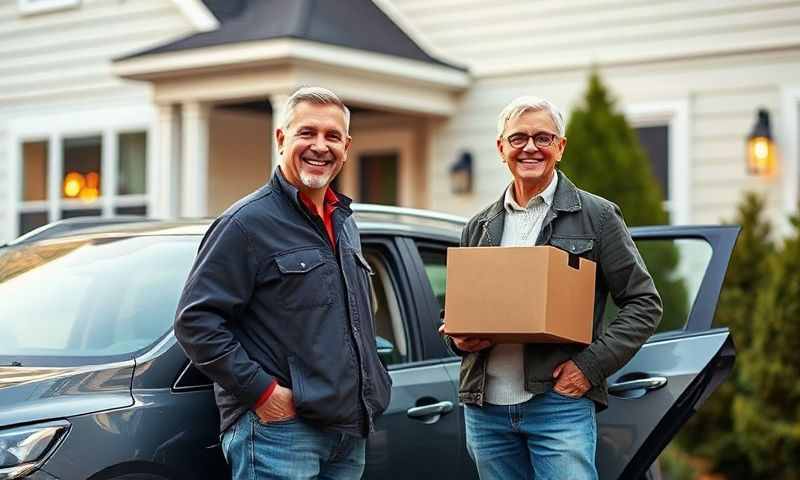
(649, 383)
(428, 410)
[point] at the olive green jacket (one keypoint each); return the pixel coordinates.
(593, 228)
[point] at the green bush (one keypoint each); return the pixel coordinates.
(675, 465)
(767, 410)
(710, 433)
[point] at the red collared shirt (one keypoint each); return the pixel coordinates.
(329, 205)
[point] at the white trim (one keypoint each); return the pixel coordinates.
(108, 171)
(788, 138)
(197, 13)
(14, 188)
(55, 168)
(131, 200)
(194, 161)
(33, 206)
(30, 7)
(284, 50)
(674, 114)
(53, 128)
(278, 103)
(152, 156)
(166, 158)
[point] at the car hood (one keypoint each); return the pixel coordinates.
(33, 394)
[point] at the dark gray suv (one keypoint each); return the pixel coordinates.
(94, 386)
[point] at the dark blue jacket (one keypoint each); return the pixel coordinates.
(269, 298)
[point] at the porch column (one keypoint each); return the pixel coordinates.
(194, 168)
(165, 171)
(278, 103)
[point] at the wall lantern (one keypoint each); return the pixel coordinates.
(761, 147)
(461, 174)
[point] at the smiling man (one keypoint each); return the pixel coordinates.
(530, 409)
(276, 311)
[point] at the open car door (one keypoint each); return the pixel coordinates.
(652, 396)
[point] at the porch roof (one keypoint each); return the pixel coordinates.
(356, 24)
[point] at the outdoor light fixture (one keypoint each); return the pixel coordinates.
(461, 174)
(761, 147)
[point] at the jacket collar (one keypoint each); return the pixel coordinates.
(278, 182)
(566, 199)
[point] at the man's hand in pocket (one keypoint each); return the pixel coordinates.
(279, 406)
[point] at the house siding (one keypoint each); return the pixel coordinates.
(67, 53)
(723, 59)
(60, 61)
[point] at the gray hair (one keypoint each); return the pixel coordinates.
(317, 96)
(520, 105)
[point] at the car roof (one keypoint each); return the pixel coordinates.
(371, 219)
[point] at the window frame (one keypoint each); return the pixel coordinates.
(436, 349)
(675, 116)
(54, 128)
(378, 252)
(789, 140)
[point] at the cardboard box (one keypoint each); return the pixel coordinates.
(520, 294)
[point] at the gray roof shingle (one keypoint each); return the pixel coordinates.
(358, 24)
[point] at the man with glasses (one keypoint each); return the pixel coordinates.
(530, 409)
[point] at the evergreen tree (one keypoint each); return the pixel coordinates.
(767, 413)
(710, 433)
(604, 157)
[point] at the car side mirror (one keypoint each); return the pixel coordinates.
(385, 350)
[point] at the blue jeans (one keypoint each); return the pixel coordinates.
(549, 437)
(290, 449)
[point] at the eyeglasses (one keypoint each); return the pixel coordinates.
(541, 139)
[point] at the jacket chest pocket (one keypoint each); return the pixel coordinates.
(579, 246)
(306, 280)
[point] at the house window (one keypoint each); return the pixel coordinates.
(663, 128)
(655, 141)
(132, 165)
(35, 166)
(82, 167)
(82, 159)
(39, 6)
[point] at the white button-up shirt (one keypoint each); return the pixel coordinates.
(505, 382)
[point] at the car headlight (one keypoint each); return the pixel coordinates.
(24, 449)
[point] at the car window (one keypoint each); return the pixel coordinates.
(677, 267)
(435, 261)
(387, 312)
(97, 297)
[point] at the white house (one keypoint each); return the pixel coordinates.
(166, 107)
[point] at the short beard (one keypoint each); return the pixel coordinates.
(314, 181)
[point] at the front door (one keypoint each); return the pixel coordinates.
(652, 396)
(379, 177)
(383, 168)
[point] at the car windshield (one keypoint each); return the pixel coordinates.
(91, 297)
